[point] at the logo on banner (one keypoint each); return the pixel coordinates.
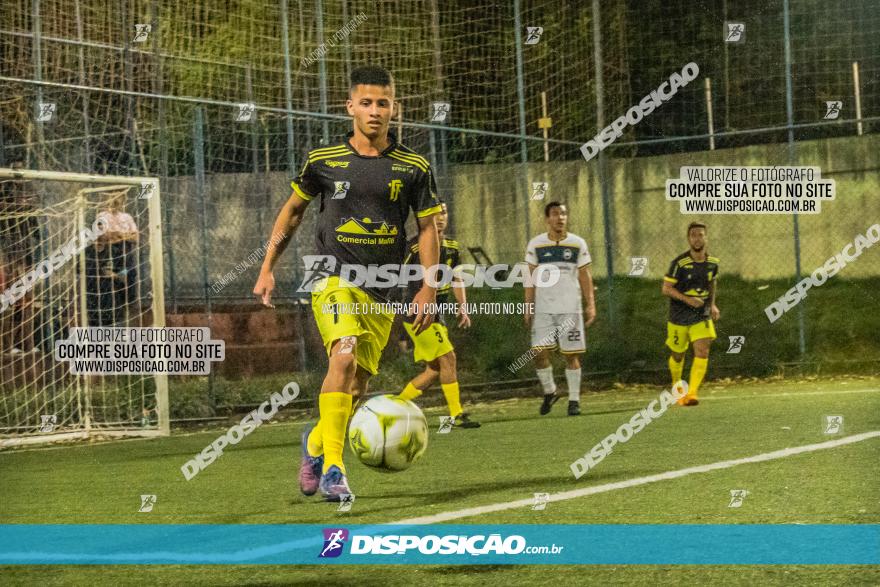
(334, 540)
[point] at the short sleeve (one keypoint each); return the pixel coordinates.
(672, 275)
(425, 201)
(306, 185)
(531, 254)
(584, 255)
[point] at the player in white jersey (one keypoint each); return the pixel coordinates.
(558, 321)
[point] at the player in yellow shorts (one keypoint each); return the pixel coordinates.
(691, 285)
(432, 346)
(366, 187)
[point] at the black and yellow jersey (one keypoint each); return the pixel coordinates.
(450, 256)
(365, 201)
(692, 279)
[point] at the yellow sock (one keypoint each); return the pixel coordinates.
(451, 392)
(675, 368)
(698, 371)
(410, 392)
(315, 444)
(335, 408)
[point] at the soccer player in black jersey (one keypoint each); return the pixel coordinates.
(366, 186)
(433, 345)
(691, 285)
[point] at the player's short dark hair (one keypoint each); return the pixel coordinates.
(693, 225)
(370, 75)
(550, 206)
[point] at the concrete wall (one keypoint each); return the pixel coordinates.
(489, 211)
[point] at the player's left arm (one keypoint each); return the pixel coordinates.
(426, 205)
(714, 312)
(464, 319)
(429, 256)
(585, 278)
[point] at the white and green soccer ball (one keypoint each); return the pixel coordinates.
(388, 433)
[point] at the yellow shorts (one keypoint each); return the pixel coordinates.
(432, 343)
(678, 337)
(351, 315)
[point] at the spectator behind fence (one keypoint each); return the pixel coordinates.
(121, 238)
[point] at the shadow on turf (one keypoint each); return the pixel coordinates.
(455, 494)
(559, 412)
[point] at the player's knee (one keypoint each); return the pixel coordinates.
(573, 361)
(447, 361)
(344, 364)
(701, 352)
(679, 357)
(542, 359)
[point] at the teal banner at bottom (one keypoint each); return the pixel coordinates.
(163, 544)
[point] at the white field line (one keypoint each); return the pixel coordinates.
(593, 490)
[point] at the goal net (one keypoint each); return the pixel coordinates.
(76, 250)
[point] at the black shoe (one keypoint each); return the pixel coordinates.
(464, 421)
(574, 408)
(549, 400)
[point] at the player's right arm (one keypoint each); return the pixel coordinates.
(532, 261)
(305, 187)
(668, 288)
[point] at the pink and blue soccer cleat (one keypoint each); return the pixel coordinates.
(310, 467)
(333, 484)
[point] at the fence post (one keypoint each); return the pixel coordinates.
(168, 217)
(199, 175)
(80, 50)
(789, 115)
(521, 103)
(38, 76)
(322, 72)
(603, 175)
(288, 92)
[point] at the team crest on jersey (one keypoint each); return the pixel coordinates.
(395, 186)
(566, 254)
(341, 188)
(343, 164)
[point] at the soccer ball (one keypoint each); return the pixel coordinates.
(388, 433)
